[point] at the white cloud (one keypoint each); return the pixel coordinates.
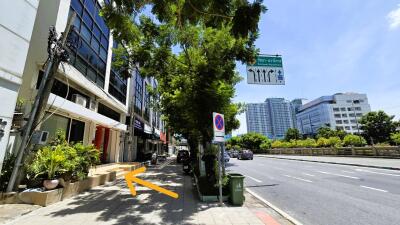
(394, 18)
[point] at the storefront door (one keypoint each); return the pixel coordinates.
(101, 142)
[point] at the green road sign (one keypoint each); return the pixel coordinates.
(270, 61)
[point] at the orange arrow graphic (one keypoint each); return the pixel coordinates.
(130, 178)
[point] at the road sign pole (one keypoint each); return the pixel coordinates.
(220, 175)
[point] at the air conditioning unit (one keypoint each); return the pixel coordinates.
(93, 105)
(40, 137)
(79, 99)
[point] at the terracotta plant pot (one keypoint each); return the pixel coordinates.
(50, 184)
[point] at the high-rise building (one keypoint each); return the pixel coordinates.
(271, 118)
(339, 111)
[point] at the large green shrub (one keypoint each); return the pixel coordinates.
(354, 140)
(59, 159)
(395, 137)
(48, 162)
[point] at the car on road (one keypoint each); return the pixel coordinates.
(245, 154)
(182, 154)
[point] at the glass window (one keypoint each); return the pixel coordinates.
(351, 114)
(87, 19)
(343, 109)
(90, 6)
(95, 45)
(344, 115)
(85, 33)
(336, 109)
(337, 116)
(55, 123)
(96, 32)
(347, 127)
(80, 64)
(103, 54)
(104, 41)
(359, 114)
(77, 5)
(91, 37)
(91, 74)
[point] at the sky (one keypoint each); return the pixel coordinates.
(329, 47)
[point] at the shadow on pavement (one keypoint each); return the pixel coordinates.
(113, 203)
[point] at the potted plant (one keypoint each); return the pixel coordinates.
(48, 162)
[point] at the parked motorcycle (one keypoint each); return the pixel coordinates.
(186, 165)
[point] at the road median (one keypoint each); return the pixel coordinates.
(378, 163)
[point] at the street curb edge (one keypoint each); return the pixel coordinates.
(278, 210)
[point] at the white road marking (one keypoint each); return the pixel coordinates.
(340, 175)
(344, 171)
(297, 178)
(256, 180)
(375, 189)
(307, 174)
(388, 174)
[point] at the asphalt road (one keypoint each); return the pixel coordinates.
(324, 194)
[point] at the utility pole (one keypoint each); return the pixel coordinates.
(57, 54)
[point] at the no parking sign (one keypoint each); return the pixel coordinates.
(219, 127)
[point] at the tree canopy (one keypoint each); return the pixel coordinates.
(292, 134)
(326, 132)
(378, 126)
(190, 47)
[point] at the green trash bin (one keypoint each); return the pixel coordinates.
(236, 188)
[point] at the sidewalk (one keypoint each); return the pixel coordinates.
(113, 204)
(382, 163)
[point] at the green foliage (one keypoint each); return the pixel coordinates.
(307, 143)
(265, 145)
(199, 77)
(354, 140)
(253, 141)
(378, 126)
(329, 142)
(395, 137)
(277, 144)
(5, 174)
(48, 162)
(60, 159)
(292, 134)
(326, 132)
(334, 142)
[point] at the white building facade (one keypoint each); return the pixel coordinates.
(16, 24)
(340, 111)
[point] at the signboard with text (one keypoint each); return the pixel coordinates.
(267, 70)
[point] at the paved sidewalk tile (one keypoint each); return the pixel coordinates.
(113, 204)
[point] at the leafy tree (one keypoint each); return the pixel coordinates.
(326, 132)
(199, 76)
(378, 126)
(354, 140)
(253, 140)
(395, 137)
(292, 134)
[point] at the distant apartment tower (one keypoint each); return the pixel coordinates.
(339, 111)
(271, 118)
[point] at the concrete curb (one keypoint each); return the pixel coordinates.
(272, 206)
(337, 163)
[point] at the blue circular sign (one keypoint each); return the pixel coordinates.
(219, 122)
